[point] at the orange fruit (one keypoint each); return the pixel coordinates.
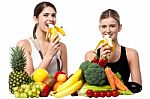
(62, 77)
(40, 75)
(57, 84)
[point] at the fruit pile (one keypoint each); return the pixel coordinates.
(89, 80)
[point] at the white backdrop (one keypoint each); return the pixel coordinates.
(80, 19)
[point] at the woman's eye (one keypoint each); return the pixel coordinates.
(54, 15)
(45, 15)
(103, 26)
(112, 26)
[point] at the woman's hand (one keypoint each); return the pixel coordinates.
(53, 46)
(105, 50)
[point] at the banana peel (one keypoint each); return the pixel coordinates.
(107, 40)
(54, 31)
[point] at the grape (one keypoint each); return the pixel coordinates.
(30, 93)
(34, 94)
(33, 90)
(23, 86)
(37, 86)
(26, 90)
(17, 94)
(37, 96)
(41, 87)
(21, 95)
(20, 90)
(24, 95)
(15, 89)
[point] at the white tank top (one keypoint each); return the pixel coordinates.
(52, 68)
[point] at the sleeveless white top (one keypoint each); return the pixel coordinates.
(52, 68)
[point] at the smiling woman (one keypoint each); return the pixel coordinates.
(122, 59)
(41, 53)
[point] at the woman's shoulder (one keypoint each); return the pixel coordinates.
(62, 46)
(131, 53)
(24, 43)
(89, 55)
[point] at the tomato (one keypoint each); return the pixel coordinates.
(108, 94)
(96, 94)
(102, 93)
(89, 93)
(114, 93)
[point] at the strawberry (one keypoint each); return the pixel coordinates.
(57, 73)
(103, 61)
(95, 60)
(45, 92)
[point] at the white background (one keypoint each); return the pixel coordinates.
(80, 19)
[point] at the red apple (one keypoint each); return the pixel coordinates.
(45, 92)
(57, 73)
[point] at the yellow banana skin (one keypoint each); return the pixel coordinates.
(68, 91)
(60, 30)
(54, 31)
(72, 80)
(109, 42)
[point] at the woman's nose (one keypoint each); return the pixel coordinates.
(107, 29)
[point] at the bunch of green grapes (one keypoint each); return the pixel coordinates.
(31, 90)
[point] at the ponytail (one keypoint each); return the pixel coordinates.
(34, 31)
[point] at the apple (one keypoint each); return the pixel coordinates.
(62, 77)
(45, 92)
(57, 73)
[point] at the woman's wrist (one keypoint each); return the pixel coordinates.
(45, 62)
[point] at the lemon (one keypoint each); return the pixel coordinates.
(40, 75)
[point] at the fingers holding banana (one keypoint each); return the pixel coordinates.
(53, 46)
(105, 50)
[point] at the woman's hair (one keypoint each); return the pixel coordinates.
(39, 8)
(110, 13)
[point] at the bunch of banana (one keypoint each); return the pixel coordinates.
(73, 84)
(53, 30)
(107, 40)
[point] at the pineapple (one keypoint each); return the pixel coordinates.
(18, 62)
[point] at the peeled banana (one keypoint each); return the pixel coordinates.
(53, 31)
(68, 91)
(72, 80)
(108, 40)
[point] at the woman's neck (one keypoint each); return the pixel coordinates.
(40, 36)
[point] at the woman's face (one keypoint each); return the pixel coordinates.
(48, 13)
(110, 26)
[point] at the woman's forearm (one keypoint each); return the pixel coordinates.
(45, 62)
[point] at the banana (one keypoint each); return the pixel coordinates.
(68, 91)
(54, 30)
(72, 80)
(108, 40)
(60, 30)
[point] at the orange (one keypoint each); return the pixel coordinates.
(62, 77)
(57, 84)
(40, 75)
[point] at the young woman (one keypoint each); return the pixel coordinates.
(41, 53)
(123, 59)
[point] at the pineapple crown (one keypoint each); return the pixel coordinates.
(18, 59)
